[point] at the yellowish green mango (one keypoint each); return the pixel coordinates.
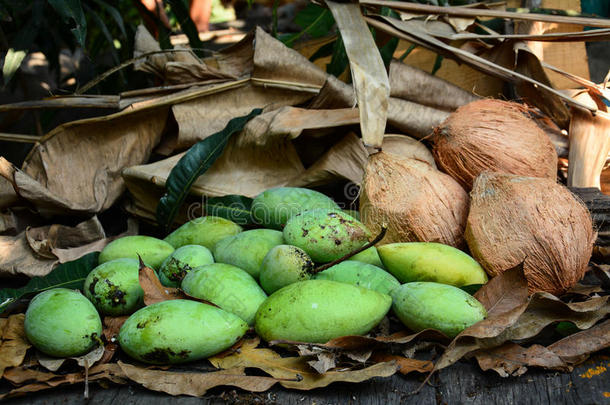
(227, 286)
(284, 265)
(184, 259)
(325, 235)
(178, 331)
(427, 305)
(247, 250)
(62, 323)
(274, 207)
(152, 250)
(360, 274)
(205, 231)
(429, 261)
(114, 287)
(317, 311)
(369, 256)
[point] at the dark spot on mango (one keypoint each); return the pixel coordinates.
(305, 232)
(92, 286)
(163, 355)
(337, 242)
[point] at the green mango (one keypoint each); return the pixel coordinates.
(369, 256)
(227, 286)
(204, 231)
(427, 305)
(62, 323)
(152, 250)
(274, 207)
(184, 259)
(317, 311)
(325, 235)
(429, 261)
(247, 250)
(114, 287)
(353, 213)
(177, 331)
(360, 274)
(283, 265)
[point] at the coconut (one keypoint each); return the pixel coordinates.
(405, 146)
(495, 136)
(534, 221)
(416, 202)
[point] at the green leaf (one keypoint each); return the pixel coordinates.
(12, 61)
(72, 10)
(105, 32)
(193, 164)
(114, 13)
(237, 208)
(67, 275)
(186, 23)
(339, 62)
(407, 52)
(315, 20)
(438, 62)
(324, 51)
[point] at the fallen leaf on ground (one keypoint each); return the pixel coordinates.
(294, 372)
(406, 365)
(86, 360)
(13, 342)
(195, 383)
(511, 359)
(513, 317)
(154, 291)
(43, 380)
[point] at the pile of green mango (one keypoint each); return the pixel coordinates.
(269, 278)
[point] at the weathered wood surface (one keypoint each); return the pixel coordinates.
(464, 383)
(599, 206)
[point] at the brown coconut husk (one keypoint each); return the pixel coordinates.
(534, 221)
(415, 201)
(496, 136)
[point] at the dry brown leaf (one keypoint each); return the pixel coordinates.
(409, 117)
(16, 257)
(518, 319)
(51, 184)
(415, 85)
(8, 197)
(294, 372)
(36, 251)
(45, 239)
(516, 55)
(13, 342)
(345, 160)
(154, 291)
(406, 365)
(195, 383)
(43, 381)
(369, 76)
(199, 118)
(512, 359)
(87, 360)
(275, 61)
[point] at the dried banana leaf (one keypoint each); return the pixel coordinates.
(369, 76)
